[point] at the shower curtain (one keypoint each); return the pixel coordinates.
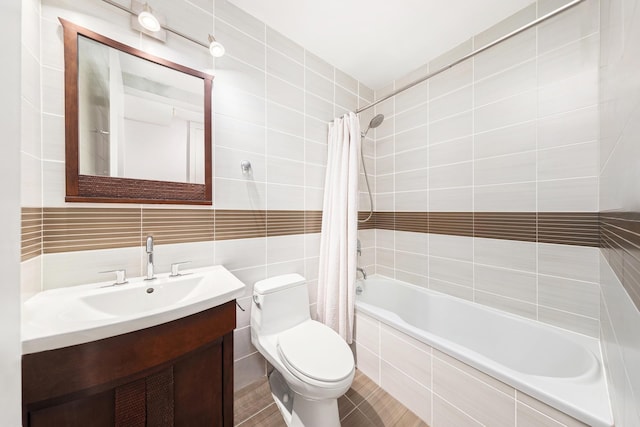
(338, 240)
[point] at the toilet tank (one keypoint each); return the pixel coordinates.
(279, 303)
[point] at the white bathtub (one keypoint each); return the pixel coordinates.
(555, 366)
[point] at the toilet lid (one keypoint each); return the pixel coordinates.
(316, 351)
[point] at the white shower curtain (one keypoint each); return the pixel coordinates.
(337, 273)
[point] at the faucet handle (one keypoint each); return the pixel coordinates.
(175, 268)
(149, 244)
(121, 276)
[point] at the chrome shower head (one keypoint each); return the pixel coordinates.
(374, 123)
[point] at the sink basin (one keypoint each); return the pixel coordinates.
(79, 314)
(163, 292)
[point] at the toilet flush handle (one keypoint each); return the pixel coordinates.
(256, 300)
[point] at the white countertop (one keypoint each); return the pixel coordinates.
(79, 314)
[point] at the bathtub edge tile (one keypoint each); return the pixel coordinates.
(413, 395)
(473, 396)
(475, 373)
(547, 410)
(368, 363)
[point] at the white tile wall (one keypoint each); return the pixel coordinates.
(75, 268)
(619, 155)
(508, 140)
(505, 112)
(573, 262)
(30, 278)
(515, 51)
(32, 125)
(515, 284)
(12, 14)
(520, 78)
(513, 130)
(511, 305)
(556, 284)
(507, 254)
(581, 21)
(512, 168)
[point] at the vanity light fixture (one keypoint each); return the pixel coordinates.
(147, 19)
(215, 47)
(154, 25)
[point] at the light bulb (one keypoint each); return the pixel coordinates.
(147, 20)
(215, 48)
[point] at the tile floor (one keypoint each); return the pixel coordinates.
(364, 405)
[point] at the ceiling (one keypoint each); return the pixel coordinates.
(378, 41)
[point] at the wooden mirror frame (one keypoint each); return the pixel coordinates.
(106, 189)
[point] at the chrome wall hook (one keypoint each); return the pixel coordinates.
(245, 166)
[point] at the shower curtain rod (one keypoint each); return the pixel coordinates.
(474, 53)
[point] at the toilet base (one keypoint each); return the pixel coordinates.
(298, 411)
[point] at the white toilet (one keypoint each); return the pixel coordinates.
(313, 364)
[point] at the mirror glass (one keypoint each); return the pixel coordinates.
(138, 119)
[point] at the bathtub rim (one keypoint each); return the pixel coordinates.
(535, 386)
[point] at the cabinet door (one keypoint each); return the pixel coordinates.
(198, 388)
(94, 411)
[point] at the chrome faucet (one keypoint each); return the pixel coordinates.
(150, 275)
(364, 273)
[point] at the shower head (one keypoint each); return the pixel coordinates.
(374, 123)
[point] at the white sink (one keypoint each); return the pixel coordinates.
(79, 314)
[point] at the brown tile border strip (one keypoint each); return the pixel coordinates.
(66, 229)
(506, 225)
(568, 228)
(240, 224)
(31, 230)
(177, 225)
(452, 223)
(385, 220)
(79, 229)
(412, 221)
(284, 223)
(370, 224)
(620, 239)
(312, 221)
(565, 228)
(52, 230)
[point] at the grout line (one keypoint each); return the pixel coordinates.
(248, 123)
(212, 13)
(473, 171)
(537, 196)
(224, 21)
(472, 376)
(256, 414)
(395, 167)
(539, 412)
(456, 408)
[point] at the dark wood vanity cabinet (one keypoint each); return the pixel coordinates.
(174, 374)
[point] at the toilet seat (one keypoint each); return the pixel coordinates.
(314, 351)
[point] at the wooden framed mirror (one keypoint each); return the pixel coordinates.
(137, 127)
